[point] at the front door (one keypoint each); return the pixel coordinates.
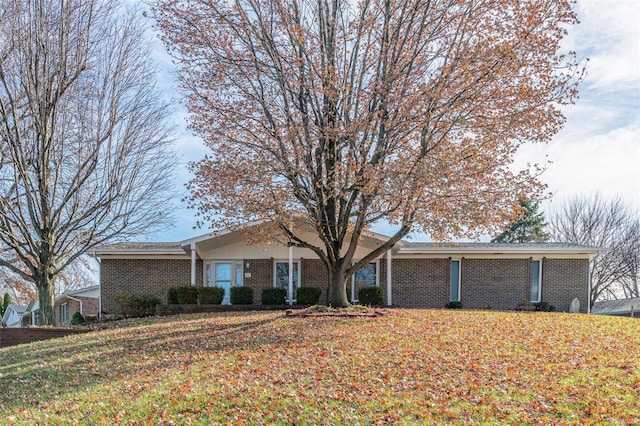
(224, 279)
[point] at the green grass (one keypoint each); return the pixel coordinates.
(407, 367)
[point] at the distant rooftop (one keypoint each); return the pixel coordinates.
(617, 307)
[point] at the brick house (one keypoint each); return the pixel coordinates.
(412, 274)
(85, 300)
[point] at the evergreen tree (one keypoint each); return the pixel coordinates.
(5, 304)
(529, 228)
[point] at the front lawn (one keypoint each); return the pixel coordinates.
(407, 367)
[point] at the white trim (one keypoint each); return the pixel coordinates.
(145, 255)
(504, 255)
(499, 250)
(226, 231)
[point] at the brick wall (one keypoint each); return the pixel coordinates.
(494, 283)
(151, 277)
(261, 277)
(417, 283)
(563, 280)
(90, 306)
(17, 336)
(314, 274)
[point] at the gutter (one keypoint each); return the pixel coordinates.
(77, 300)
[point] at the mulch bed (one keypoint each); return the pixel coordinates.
(324, 311)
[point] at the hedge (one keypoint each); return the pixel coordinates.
(308, 295)
(371, 296)
(241, 295)
(274, 296)
(187, 295)
(211, 295)
(136, 305)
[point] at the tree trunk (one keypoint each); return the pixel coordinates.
(337, 297)
(46, 298)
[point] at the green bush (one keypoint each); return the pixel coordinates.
(77, 319)
(241, 295)
(172, 296)
(136, 305)
(187, 295)
(453, 305)
(371, 296)
(308, 295)
(274, 296)
(211, 295)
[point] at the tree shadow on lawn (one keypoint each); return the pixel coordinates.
(49, 370)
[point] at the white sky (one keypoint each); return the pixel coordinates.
(599, 148)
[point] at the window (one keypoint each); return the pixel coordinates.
(536, 280)
(367, 276)
(454, 282)
(281, 276)
(64, 313)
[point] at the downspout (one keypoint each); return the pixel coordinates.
(77, 300)
(100, 284)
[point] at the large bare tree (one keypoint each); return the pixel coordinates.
(598, 221)
(346, 113)
(85, 149)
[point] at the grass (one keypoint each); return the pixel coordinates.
(406, 367)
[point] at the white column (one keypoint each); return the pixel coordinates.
(291, 275)
(193, 264)
(389, 301)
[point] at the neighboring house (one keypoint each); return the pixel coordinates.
(21, 316)
(622, 307)
(411, 274)
(85, 300)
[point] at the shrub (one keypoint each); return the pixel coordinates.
(77, 319)
(544, 307)
(172, 296)
(241, 295)
(187, 295)
(136, 305)
(453, 305)
(525, 306)
(274, 296)
(371, 296)
(308, 295)
(89, 319)
(211, 295)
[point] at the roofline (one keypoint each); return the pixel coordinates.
(137, 251)
(203, 237)
(505, 250)
(214, 234)
(72, 293)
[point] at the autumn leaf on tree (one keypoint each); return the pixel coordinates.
(340, 114)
